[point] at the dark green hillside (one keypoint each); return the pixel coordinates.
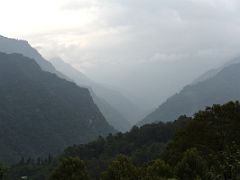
(215, 134)
(206, 147)
(141, 144)
(66, 71)
(118, 110)
(41, 113)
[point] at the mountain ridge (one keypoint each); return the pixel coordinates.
(41, 113)
(10, 45)
(113, 98)
(222, 87)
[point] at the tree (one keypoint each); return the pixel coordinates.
(121, 168)
(158, 170)
(71, 168)
(192, 166)
(227, 163)
(3, 172)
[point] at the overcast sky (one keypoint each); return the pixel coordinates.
(148, 48)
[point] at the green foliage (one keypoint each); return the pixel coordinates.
(121, 168)
(206, 147)
(150, 137)
(142, 145)
(3, 172)
(157, 170)
(227, 163)
(70, 169)
(192, 166)
(215, 134)
(38, 169)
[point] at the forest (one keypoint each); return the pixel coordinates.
(205, 146)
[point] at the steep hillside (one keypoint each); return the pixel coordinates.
(217, 89)
(113, 117)
(41, 113)
(213, 72)
(119, 103)
(8, 45)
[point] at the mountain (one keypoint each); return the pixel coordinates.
(9, 45)
(41, 113)
(213, 72)
(207, 75)
(120, 105)
(216, 89)
(113, 116)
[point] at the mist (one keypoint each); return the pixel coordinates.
(119, 89)
(147, 50)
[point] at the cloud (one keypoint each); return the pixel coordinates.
(155, 39)
(80, 5)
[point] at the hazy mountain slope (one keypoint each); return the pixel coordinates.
(116, 100)
(70, 71)
(8, 45)
(213, 72)
(207, 75)
(113, 117)
(41, 113)
(222, 87)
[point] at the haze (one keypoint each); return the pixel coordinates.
(147, 49)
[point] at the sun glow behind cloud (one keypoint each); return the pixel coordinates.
(28, 17)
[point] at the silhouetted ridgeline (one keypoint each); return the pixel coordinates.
(108, 101)
(41, 113)
(111, 102)
(115, 107)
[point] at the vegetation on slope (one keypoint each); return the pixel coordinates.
(41, 113)
(206, 147)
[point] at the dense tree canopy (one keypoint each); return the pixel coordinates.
(121, 168)
(204, 147)
(215, 134)
(70, 169)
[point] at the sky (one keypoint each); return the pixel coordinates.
(147, 49)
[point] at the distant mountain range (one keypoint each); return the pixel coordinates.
(214, 87)
(117, 109)
(8, 45)
(110, 102)
(41, 113)
(119, 103)
(213, 72)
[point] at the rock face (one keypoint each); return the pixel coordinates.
(219, 88)
(41, 113)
